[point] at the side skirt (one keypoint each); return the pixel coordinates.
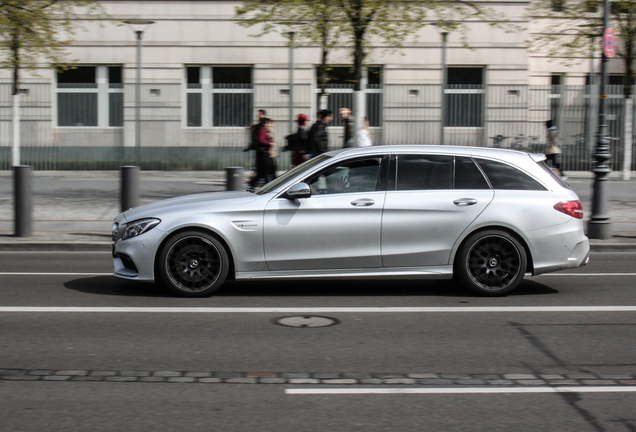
(441, 272)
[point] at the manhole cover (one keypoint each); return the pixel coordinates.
(306, 321)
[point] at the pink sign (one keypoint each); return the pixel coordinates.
(609, 43)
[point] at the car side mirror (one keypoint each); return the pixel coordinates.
(299, 190)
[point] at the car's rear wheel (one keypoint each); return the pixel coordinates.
(193, 264)
(491, 263)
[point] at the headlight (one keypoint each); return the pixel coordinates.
(135, 228)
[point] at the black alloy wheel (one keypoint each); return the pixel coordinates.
(491, 263)
(193, 264)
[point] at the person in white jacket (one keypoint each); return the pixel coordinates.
(364, 137)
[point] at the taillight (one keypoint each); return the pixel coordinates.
(570, 208)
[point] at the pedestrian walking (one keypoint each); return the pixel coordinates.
(318, 136)
(349, 123)
(298, 142)
(268, 150)
(364, 137)
(552, 150)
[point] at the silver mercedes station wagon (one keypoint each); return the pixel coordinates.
(484, 216)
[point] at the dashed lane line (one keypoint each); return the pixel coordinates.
(471, 390)
(310, 310)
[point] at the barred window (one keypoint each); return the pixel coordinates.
(90, 96)
(464, 95)
(219, 96)
(340, 89)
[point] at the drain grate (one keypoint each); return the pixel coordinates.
(306, 321)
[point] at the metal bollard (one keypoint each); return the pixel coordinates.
(234, 178)
(23, 191)
(129, 187)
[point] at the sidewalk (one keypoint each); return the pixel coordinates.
(74, 210)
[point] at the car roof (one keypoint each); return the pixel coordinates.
(497, 153)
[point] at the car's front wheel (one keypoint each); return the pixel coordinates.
(491, 263)
(193, 264)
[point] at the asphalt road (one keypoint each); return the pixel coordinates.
(206, 365)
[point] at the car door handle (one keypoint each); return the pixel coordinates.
(364, 202)
(465, 201)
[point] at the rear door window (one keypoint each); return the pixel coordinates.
(468, 175)
(424, 172)
(504, 176)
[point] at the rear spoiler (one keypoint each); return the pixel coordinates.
(537, 157)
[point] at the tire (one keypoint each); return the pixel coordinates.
(193, 264)
(491, 263)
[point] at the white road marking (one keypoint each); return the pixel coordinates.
(311, 310)
(456, 390)
(587, 274)
(52, 274)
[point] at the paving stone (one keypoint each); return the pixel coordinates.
(304, 381)
(371, 381)
(21, 377)
(389, 376)
(564, 382)
(228, 375)
(11, 371)
(627, 382)
(519, 376)
(486, 376)
(531, 382)
(295, 375)
(72, 372)
(166, 373)
(209, 380)
(470, 382)
(435, 381)
(551, 376)
(455, 376)
(181, 379)
(616, 377)
(357, 375)
(340, 381)
(134, 373)
(103, 373)
(500, 382)
(581, 376)
(400, 381)
(152, 379)
(121, 379)
(56, 378)
(41, 372)
(423, 376)
(87, 378)
(323, 375)
(261, 375)
(272, 380)
(198, 374)
(598, 382)
(241, 380)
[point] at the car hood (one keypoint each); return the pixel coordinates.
(188, 204)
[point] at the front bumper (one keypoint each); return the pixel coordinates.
(134, 258)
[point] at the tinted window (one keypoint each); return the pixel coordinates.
(504, 176)
(349, 177)
(424, 172)
(468, 175)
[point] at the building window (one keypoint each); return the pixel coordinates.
(340, 89)
(90, 96)
(556, 88)
(464, 95)
(557, 5)
(219, 96)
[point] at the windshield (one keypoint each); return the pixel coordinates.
(306, 166)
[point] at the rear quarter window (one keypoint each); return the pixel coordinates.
(503, 176)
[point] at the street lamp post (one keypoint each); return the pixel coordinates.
(599, 224)
(444, 83)
(139, 27)
(291, 81)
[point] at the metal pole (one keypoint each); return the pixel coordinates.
(138, 101)
(589, 141)
(129, 187)
(291, 82)
(599, 225)
(234, 178)
(16, 130)
(444, 84)
(22, 189)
